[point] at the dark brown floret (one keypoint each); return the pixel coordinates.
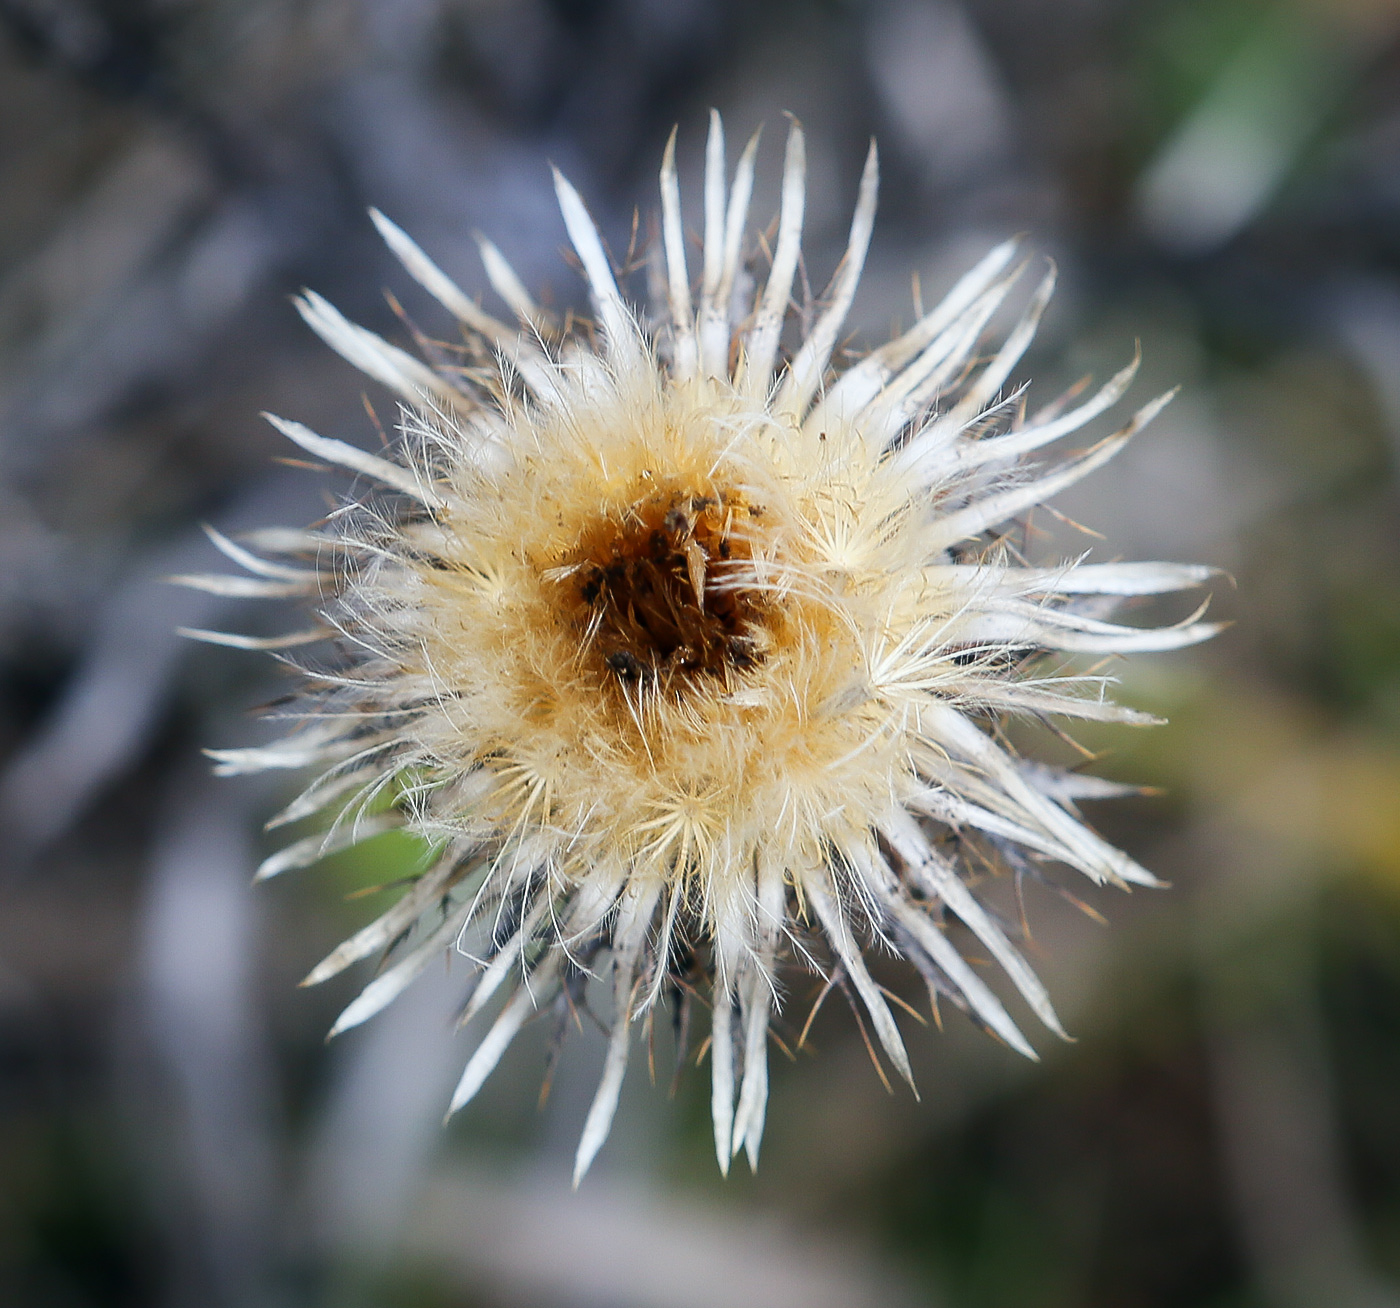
(660, 591)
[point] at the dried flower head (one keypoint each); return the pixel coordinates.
(686, 654)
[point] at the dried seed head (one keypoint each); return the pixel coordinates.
(681, 654)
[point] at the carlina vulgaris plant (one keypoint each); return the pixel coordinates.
(687, 653)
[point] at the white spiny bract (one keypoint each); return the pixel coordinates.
(686, 654)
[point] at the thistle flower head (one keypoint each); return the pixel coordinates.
(685, 652)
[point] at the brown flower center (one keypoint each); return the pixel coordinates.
(664, 592)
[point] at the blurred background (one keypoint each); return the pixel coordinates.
(1219, 179)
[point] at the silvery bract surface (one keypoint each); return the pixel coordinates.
(686, 653)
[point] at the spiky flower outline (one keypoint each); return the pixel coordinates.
(686, 655)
